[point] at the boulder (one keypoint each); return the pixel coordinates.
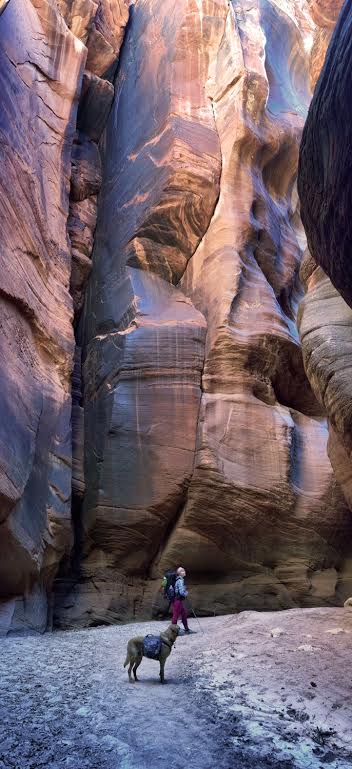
(95, 104)
(106, 34)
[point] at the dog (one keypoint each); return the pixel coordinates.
(135, 652)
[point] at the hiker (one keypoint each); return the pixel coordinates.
(167, 588)
(178, 605)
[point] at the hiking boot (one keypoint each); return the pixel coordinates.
(189, 631)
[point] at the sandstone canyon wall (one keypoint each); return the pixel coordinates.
(39, 92)
(49, 176)
(325, 319)
(196, 435)
(203, 440)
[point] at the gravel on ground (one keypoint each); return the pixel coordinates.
(248, 691)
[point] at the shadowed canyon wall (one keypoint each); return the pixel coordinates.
(325, 319)
(197, 437)
(39, 94)
(43, 233)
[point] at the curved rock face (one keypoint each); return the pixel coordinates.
(324, 13)
(204, 443)
(39, 89)
(325, 322)
(325, 319)
(161, 175)
(42, 57)
(144, 340)
(260, 461)
(325, 162)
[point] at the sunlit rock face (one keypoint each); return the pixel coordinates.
(324, 14)
(261, 461)
(204, 443)
(100, 24)
(39, 89)
(143, 338)
(325, 319)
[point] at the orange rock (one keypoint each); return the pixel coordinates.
(199, 169)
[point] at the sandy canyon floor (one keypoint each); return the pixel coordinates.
(252, 691)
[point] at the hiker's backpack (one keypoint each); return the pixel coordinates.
(168, 584)
(152, 646)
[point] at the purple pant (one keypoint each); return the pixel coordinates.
(179, 610)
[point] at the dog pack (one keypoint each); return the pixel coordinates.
(152, 646)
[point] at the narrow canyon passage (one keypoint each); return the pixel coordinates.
(252, 691)
(175, 381)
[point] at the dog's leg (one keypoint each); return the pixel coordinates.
(130, 671)
(137, 664)
(162, 666)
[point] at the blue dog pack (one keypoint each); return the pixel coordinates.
(152, 646)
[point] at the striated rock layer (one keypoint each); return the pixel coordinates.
(261, 460)
(39, 88)
(204, 443)
(100, 25)
(43, 49)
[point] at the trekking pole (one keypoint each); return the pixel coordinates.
(195, 616)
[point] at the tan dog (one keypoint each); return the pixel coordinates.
(135, 652)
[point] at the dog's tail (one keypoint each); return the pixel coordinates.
(126, 661)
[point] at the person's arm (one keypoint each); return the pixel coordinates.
(181, 589)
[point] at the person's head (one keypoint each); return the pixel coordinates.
(181, 572)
